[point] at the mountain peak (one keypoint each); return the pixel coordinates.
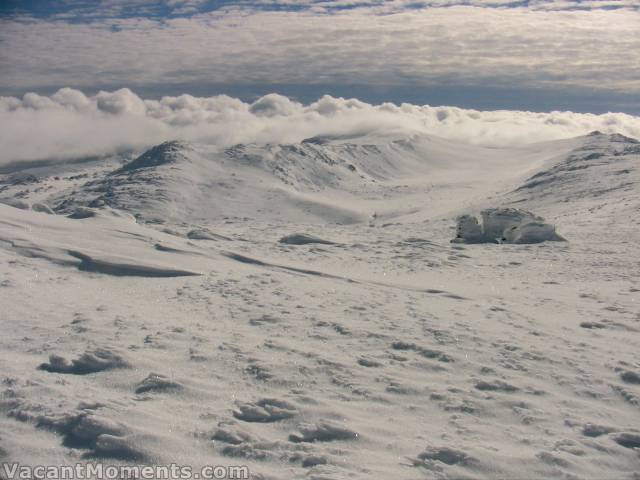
(612, 137)
(162, 154)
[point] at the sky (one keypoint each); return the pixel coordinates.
(536, 55)
(85, 78)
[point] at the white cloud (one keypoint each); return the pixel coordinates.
(122, 101)
(71, 124)
(272, 105)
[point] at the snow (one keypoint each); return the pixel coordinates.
(269, 305)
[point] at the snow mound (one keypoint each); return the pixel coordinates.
(505, 225)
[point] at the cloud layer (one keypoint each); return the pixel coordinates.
(549, 44)
(69, 124)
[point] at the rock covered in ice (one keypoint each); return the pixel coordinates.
(495, 221)
(532, 232)
(505, 225)
(469, 230)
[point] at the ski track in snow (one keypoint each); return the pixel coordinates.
(300, 310)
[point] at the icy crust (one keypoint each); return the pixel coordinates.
(505, 225)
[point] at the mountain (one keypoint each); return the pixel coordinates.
(320, 180)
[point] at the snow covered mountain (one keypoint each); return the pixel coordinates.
(333, 180)
(300, 309)
(310, 182)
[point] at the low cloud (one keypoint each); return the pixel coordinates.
(69, 124)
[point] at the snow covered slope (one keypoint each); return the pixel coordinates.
(600, 166)
(300, 309)
(321, 180)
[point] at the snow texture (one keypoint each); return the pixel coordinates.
(300, 308)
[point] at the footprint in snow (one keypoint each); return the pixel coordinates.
(628, 440)
(92, 361)
(593, 325)
(263, 320)
(100, 436)
(157, 383)
(595, 430)
(308, 461)
(369, 362)
(231, 436)
(323, 432)
(425, 352)
(630, 377)
(265, 410)
(446, 455)
(495, 386)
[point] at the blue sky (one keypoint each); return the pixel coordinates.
(91, 9)
(538, 55)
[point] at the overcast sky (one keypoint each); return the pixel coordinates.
(538, 55)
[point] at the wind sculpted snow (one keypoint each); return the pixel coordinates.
(299, 309)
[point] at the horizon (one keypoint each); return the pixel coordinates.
(475, 98)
